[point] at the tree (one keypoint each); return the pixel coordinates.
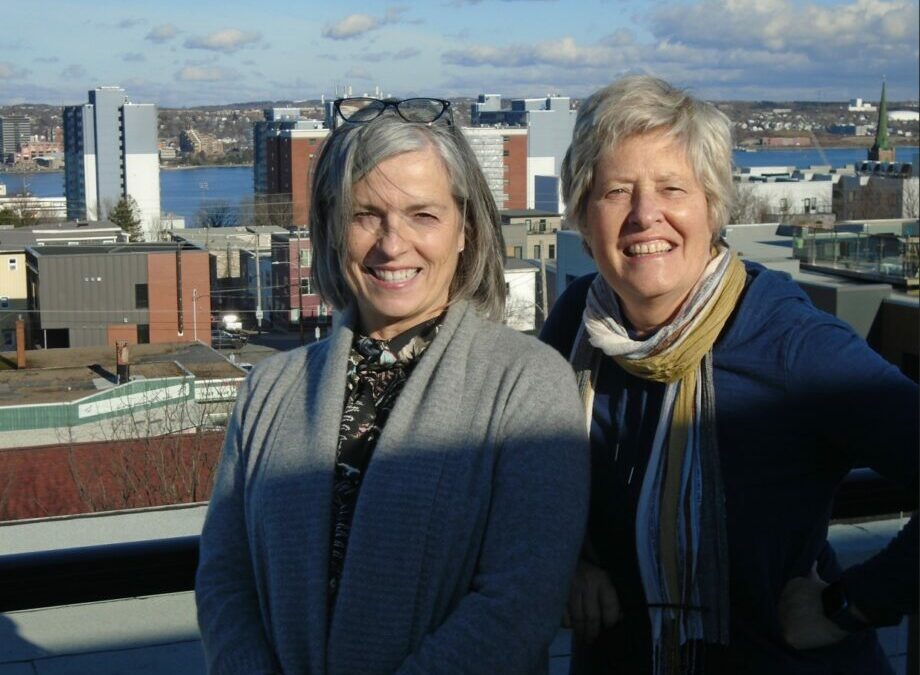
(911, 198)
(19, 212)
(748, 206)
(217, 214)
(124, 214)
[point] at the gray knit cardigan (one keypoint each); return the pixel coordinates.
(466, 532)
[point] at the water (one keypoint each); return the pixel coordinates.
(184, 192)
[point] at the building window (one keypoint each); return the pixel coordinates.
(306, 257)
(542, 224)
(306, 286)
(536, 251)
(518, 251)
(505, 153)
(12, 262)
(551, 253)
(4, 302)
(141, 300)
(143, 333)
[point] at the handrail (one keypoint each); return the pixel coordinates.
(95, 573)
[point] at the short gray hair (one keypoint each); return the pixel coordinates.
(640, 104)
(351, 152)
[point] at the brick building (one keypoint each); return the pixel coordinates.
(95, 295)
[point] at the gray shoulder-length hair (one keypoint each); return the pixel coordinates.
(640, 104)
(351, 152)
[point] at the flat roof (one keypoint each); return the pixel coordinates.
(515, 264)
(528, 213)
(58, 375)
(112, 249)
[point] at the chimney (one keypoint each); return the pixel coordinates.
(122, 361)
(20, 344)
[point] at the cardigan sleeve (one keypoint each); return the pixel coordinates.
(536, 522)
(866, 408)
(229, 618)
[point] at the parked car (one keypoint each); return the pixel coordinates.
(222, 339)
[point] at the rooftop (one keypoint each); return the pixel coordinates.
(527, 213)
(111, 249)
(59, 375)
(30, 235)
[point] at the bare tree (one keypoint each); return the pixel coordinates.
(217, 214)
(911, 198)
(151, 456)
(748, 206)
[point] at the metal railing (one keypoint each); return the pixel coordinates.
(95, 573)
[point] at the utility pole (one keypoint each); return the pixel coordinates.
(258, 288)
(300, 286)
(195, 313)
(544, 303)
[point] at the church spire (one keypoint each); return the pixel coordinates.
(881, 150)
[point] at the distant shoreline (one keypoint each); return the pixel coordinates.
(205, 166)
(162, 168)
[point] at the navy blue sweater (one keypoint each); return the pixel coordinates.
(800, 400)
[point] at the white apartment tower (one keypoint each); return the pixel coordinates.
(110, 147)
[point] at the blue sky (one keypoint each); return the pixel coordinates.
(182, 53)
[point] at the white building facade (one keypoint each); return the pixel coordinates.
(110, 147)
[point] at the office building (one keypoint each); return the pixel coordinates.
(529, 233)
(81, 296)
(15, 130)
(502, 155)
(294, 293)
(284, 148)
(110, 147)
(549, 122)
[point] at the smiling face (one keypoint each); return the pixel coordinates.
(403, 243)
(647, 225)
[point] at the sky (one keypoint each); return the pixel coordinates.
(179, 53)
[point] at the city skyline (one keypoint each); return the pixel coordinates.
(207, 53)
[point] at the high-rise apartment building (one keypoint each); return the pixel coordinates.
(549, 122)
(110, 149)
(14, 131)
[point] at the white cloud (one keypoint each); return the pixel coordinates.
(131, 23)
(564, 52)
(10, 71)
(407, 53)
(227, 41)
(74, 72)
(356, 25)
(778, 49)
(779, 25)
(401, 55)
(162, 33)
(205, 74)
(358, 74)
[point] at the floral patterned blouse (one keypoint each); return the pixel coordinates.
(377, 371)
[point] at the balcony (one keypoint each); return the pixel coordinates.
(114, 593)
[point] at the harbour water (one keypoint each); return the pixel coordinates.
(184, 192)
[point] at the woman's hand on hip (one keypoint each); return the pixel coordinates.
(593, 603)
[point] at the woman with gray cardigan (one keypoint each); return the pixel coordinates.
(408, 495)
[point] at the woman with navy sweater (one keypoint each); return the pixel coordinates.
(723, 411)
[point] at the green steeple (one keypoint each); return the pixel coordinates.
(881, 150)
(881, 132)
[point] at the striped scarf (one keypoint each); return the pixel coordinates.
(680, 526)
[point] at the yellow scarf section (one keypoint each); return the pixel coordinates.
(680, 362)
